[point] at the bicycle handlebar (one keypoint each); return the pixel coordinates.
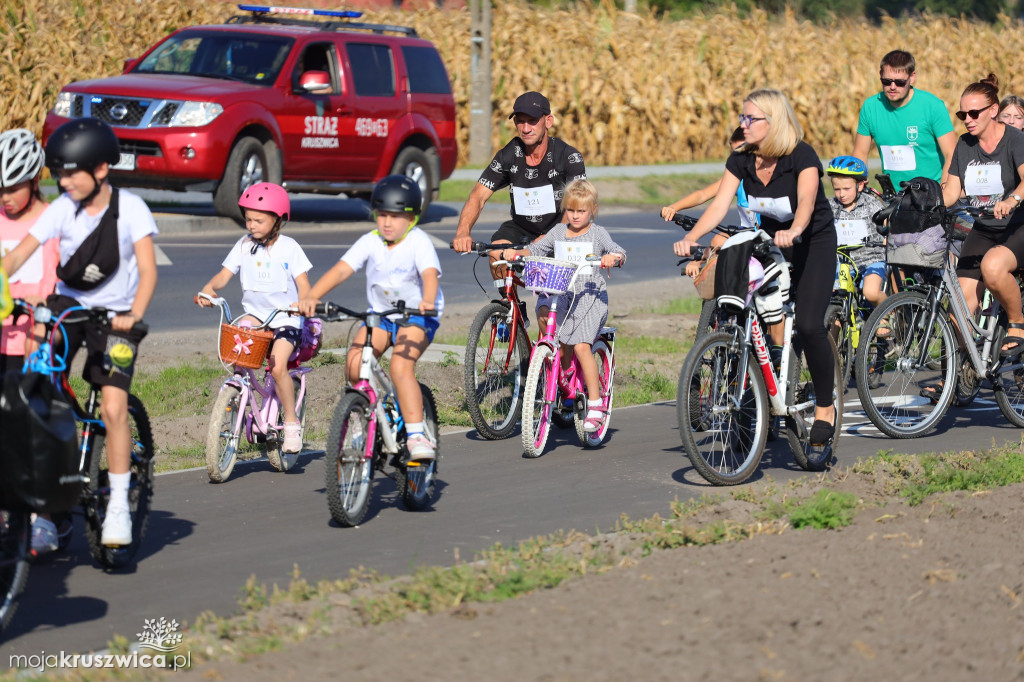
(41, 314)
(481, 248)
(332, 312)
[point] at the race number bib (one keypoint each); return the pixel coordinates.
(262, 275)
(852, 232)
(29, 273)
(533, 200)
(984, 181)
(575, 252)
(898, 157)
(777, 209)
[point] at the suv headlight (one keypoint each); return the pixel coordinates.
(63, 105)
(194, 114)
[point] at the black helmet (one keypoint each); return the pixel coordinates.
(397, 194)
(82, 144)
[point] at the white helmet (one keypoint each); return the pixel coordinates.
(21, 157)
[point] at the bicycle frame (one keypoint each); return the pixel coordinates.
(374, 383)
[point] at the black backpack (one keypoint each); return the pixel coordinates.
(98, 257)
(920, 207)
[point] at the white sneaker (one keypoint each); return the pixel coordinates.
(420, 448)
(292, 438)
(117, 528)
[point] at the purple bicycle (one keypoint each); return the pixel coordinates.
(246, 404)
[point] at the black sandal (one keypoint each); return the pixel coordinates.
(1016, 342)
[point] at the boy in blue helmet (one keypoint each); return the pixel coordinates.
(852, 209)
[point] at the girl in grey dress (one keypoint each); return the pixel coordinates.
(583, 310)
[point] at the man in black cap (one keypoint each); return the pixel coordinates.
(536, 167)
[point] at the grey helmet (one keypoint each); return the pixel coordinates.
(21, 157)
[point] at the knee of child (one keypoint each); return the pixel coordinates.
(114, 411)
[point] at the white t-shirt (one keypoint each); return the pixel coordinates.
(134, 222)
(268, 277)
(394, 275)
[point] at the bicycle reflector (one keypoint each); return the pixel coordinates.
(270, 9)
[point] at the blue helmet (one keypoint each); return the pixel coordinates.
(849, 166)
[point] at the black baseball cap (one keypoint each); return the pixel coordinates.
(532, 104)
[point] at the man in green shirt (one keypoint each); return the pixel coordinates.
(911, 127)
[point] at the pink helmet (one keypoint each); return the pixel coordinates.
(266, 196)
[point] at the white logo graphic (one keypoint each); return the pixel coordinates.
(159, 635)
(548, 157)
(911, 133)
(495, 166)
(489, 185)
(514, 169)
(519, 152)
(92, 273)
(532, 173)
(575, 157)
(552, 173)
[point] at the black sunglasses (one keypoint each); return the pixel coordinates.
(900, 82)
(973, 113)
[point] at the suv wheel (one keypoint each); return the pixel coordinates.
(414, 163)
(250, 162)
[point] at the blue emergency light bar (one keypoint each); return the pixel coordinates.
(268, 9)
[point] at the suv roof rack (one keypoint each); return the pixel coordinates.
(266, 14)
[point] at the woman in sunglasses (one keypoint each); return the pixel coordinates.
(782, 176)
(987, 167)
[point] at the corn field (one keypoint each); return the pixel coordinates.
(625, 88)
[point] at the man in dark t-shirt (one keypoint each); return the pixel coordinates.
(535, 166)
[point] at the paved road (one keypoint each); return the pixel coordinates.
(205, 540)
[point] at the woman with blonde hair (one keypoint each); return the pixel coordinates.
(782, 176)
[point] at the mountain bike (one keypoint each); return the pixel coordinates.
(725, 424)
(936, 351)
(545, 392)
(845, 316)
(368, 434)
(247, 405)
(497, 353)
(93, 466)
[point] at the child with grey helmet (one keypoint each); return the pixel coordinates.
(852, 209)
(119, 275)
(401, 265)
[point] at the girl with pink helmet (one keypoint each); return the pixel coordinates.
(273, 271)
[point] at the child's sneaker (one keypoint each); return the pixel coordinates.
(44, 536)
(117, 527)
(292, 438)
(420, 448)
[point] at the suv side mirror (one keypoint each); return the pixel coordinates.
(315, 81)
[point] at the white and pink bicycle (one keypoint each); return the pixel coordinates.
(247, 405)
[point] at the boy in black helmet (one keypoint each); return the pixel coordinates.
(401, 265)
(106, 260)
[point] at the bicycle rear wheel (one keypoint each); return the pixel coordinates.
(348, 474)
(15, 540)
(800, 391)
(416, 481)
(537, 412)
(140, 491)
(707, 323)
(605, 374)
(918, 352)
(728, 449)
(223, 433)
(495, 371)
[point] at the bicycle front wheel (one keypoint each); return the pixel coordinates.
(416, 481)
(537, 412)
(15, 539)
(495, 371)
(223, 433)
(906, 366)
(734, 417)
(348, 474)
(800, 392)
(605, 375)
(140, 491)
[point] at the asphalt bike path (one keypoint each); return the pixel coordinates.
(205, 540)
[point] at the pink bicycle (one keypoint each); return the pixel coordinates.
(247, 403)
(544, 392)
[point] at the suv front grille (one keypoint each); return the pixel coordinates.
(140, 148)
(76, 107)
(119, 111)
